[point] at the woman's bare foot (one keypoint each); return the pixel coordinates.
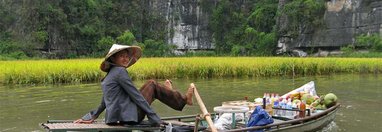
(168, 84)
(189, 94)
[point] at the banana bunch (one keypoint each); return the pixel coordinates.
(296, 95)
(318, 103)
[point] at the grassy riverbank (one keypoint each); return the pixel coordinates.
(87, 70)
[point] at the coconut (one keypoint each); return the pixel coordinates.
(330, 100)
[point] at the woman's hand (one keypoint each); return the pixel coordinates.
(84, 121)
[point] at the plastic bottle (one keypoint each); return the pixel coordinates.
(264, 103)
(264, 100)
(289, 107)
(272, 98)
(302, 109)
(294, 106)
(283, 106)
(267, 98)
(279, 112)
(277, 97)
(265, 95)
(276, 104)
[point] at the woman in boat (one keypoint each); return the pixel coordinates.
(123, 102)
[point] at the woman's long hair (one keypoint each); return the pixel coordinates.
(105, 67)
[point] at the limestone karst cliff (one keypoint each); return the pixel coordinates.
(76, 27)
(343, 21)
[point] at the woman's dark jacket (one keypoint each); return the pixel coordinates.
(121, 99)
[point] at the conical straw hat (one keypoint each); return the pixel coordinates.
(135, 53)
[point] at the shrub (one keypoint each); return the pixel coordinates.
(374, 41)
(126, 38)
(7, 47)
(18, 55)
(154, 48)
(348, 49)
(103, 45)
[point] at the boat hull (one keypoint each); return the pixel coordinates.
(313, 125)
(309, 123)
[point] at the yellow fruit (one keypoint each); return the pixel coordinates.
(302, 93)
(314, 104)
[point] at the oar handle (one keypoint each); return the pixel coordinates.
(205, 113)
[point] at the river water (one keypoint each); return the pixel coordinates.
(22, 108)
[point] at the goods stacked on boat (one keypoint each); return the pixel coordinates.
(294, 104)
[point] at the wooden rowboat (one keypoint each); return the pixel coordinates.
(311, 122)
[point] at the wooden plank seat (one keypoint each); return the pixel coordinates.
(64, 125)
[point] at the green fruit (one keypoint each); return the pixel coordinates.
(296, 101)
(317, 101)
(314, 104)
(324, 107)
(307, 98)
(321, 99)
(330, 100)
(318, 107)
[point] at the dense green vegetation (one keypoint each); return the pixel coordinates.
(87, 70)
(308, 12)
(81, 28)
(87, 28)
(245, 32)
(373, 44)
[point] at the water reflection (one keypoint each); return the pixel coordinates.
(23, 107)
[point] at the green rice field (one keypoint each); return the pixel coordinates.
(87, 70)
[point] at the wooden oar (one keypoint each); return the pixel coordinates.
(205, 113)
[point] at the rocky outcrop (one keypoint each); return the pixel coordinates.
(343, 21)
(187, 23)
